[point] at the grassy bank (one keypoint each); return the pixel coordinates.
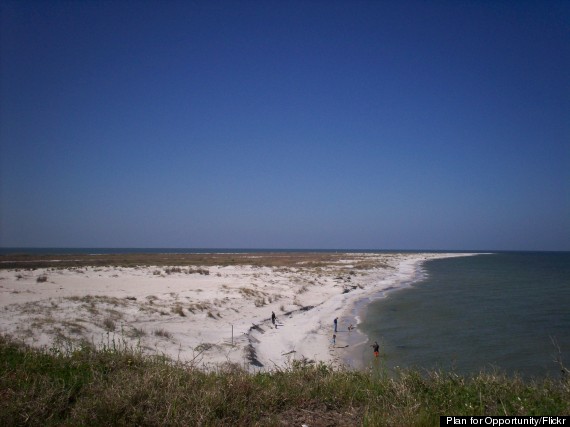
(121, 386)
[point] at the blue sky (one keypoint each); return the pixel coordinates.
(285, 124)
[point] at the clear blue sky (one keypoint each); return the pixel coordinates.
(285, 124)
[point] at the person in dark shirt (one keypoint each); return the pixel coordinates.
(376, 349)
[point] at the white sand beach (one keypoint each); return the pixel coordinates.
(205, 315)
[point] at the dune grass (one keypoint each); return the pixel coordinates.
(193, 263)
(117, 385)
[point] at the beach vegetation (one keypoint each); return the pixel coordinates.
(162, 333)
(298, 261)
(201, 306)
(74, 327)
(115, 314)
(41, 279)
(120, 385)
(250, 293)
(98, 299)
(205, 346)
(177, 309)
(109, 324)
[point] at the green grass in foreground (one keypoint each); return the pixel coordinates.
(120, 386)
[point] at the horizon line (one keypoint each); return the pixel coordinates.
(260, 249)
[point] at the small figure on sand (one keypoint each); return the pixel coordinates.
(334, 339)
(376, 348)
(273, 318)
(335, 321)
(350, 327)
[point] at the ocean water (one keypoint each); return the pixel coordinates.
(505, 311)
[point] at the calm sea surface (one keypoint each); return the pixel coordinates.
(477, 313)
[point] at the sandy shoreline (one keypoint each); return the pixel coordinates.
(209, 314)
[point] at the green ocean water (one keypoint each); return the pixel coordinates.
(506, 311)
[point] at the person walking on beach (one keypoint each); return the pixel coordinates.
(335, 321)
(334, 340)
(273, 318)
(376, 348)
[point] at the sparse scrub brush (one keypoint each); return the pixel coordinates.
(178, 310)
(109, 324)
(162, 333)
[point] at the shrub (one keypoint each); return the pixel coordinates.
(109, 324)
(178, 310)
(162, 333)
